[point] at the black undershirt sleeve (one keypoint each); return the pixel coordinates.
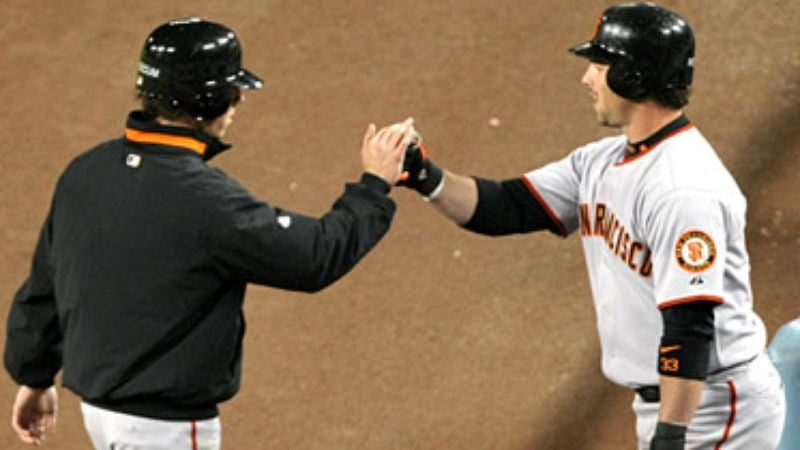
(686, 343)
(507, 207)
(693, 320)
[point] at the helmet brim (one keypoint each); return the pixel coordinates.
(591, 51)
(247, 80)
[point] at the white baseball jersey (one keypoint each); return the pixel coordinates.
(660, 228)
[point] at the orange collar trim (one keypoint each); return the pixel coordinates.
(646, 149)
(147, 137)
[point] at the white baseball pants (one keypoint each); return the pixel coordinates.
(740, 409)
(109, 430)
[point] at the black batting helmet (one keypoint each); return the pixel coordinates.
(649, 48)
(195, 66)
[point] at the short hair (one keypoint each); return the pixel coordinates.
(674, 98)
(159, 107)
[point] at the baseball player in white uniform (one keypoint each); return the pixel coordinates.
(662, 224)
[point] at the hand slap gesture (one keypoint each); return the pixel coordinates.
(382, 152)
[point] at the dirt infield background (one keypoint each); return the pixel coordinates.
(440, 339)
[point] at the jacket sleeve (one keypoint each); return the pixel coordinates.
(33, 335)
(258, 243)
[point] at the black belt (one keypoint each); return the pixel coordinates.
(649, 394)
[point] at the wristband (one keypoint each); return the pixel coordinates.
(669, 436)
(437, 191)
(429, 180)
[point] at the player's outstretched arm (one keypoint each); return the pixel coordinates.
(480, 205)
(458, 197)
(455, 196)
(273, 246)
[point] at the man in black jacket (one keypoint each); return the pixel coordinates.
(139, 274)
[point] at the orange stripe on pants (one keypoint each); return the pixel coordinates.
(731, 417)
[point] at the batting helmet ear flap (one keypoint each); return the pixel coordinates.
(626, 80)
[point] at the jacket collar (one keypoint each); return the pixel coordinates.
(141, 129)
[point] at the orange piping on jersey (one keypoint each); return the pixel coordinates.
(647, 150)
(194, 435)
(692, 299)
(145, 137)
(561, 228)
(731, 417)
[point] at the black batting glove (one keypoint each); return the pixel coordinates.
(419, 173)
(669, 436)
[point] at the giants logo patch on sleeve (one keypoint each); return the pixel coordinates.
(695, 251)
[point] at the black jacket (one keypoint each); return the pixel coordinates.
(140, 271)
